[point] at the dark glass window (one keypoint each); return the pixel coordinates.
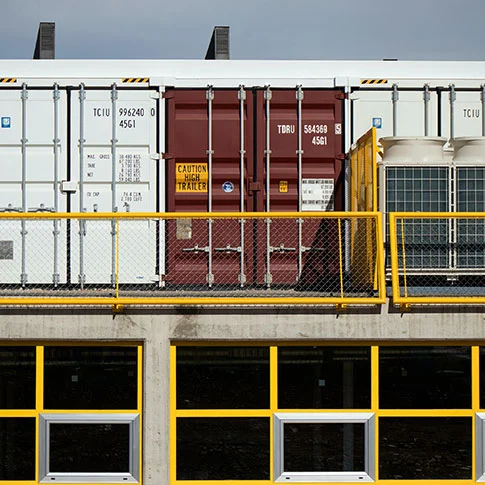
(89, 448)
(223, 448)
(425, 377)
(425, 448)
(324, 377)
(17, 448)
(324, 447)
(222, 377)
(17, 377)
(90, 378)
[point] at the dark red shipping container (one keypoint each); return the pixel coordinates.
(290, 140)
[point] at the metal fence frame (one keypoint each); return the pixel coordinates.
(407, 300)
(117, 302)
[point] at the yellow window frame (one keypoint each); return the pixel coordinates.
(39, 397)
(273, 408)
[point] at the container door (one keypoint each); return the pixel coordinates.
(33, 162)
(209, 150)
(106, 125)
(300, 167)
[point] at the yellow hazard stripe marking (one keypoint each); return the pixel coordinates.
(8, 79)
(135, 79)
(373, 81)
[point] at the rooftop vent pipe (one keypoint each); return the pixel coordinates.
(219, 44)
(45, 47)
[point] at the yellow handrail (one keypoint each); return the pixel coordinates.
(184, 215)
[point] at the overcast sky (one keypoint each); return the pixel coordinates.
(259, 29)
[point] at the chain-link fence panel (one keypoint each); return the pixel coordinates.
(151, 259)
(438, 256)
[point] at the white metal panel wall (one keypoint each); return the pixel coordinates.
(28, 158)
(375, 108)
(466, 114)
(129, 118)
(454, 111)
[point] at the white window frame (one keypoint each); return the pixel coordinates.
(480, 446)
(367, 475)
(48, 476)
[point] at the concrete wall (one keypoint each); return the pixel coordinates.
(156, 328)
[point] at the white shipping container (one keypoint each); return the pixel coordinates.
(35, 170)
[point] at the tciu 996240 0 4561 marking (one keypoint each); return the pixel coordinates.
(132, 113)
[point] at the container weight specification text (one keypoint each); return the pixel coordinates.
(129, 168)
(317, 194)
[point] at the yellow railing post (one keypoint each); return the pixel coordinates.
(403, 242)
(341, 258)
(117, 258)
(117, 307)
(396, 294)
(380, 258)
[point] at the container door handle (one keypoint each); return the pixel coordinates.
(196, 249)
(281, 249)
(229, 249)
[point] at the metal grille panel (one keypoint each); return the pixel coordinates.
(421, 189)
(470, 246)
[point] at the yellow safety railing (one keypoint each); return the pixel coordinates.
(195, 258)
(437, 257)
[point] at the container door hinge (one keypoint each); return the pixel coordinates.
(254, 187)
(167, 156)
(162, 280)
(340, 95)
(340, 156)
(168, 95)
(155, 156)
